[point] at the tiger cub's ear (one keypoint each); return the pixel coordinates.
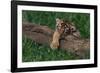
(72, 24)
(58, 21)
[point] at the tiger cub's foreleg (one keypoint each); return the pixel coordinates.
(55, 41)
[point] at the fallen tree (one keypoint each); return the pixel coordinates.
(43, 35)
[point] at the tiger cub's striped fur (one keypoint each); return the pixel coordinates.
(62, 28)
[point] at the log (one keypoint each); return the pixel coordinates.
(43, 35)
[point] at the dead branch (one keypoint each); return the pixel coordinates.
(43, 35)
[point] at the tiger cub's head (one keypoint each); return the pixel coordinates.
(65, 26)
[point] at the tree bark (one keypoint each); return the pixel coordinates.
(43, 35)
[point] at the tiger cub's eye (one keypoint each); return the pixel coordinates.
(73, 29)
(62, 24)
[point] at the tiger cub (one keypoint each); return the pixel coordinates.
(62, 28)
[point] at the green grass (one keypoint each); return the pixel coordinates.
(33, 51)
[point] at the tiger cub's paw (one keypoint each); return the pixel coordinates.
(54, 45)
